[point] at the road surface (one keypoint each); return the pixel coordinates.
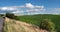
(1, 23)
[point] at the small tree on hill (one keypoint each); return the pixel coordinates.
(47, 25)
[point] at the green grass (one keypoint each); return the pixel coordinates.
(36, 19)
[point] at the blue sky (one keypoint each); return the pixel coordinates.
(49, 6)
(46, 3)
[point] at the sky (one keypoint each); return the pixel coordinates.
(30, 6)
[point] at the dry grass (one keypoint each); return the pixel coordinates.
(18, 26)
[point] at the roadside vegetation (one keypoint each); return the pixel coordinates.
(10, 15)
(48, 25)
(1, 15)
(51, 24)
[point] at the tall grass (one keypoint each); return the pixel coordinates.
(11, 26)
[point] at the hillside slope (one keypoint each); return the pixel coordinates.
(19, 26)
(36, 19)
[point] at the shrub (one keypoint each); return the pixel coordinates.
(47, 25)
(10, 15)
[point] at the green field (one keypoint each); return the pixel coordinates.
(36, 19)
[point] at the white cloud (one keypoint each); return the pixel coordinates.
(7, 8)
(52, 11)
(56, 11)
(4, 8)
(29, 5)
(18, 11)
(28, 8)
(34, 9)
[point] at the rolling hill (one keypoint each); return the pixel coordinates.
(36, 19)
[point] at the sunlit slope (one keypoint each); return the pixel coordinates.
(19, 26)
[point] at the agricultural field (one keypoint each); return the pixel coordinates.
(36, 19)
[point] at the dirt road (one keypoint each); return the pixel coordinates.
(1, 23)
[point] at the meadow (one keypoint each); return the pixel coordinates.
(36, 19)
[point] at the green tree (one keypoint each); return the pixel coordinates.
(10, 15)
(47, 25)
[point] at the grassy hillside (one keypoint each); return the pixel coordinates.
(11, 25)
(36, 19)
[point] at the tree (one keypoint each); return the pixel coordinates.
(47, 25)
(10, 15)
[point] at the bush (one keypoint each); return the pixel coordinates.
(47, 25)
(10, 15)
